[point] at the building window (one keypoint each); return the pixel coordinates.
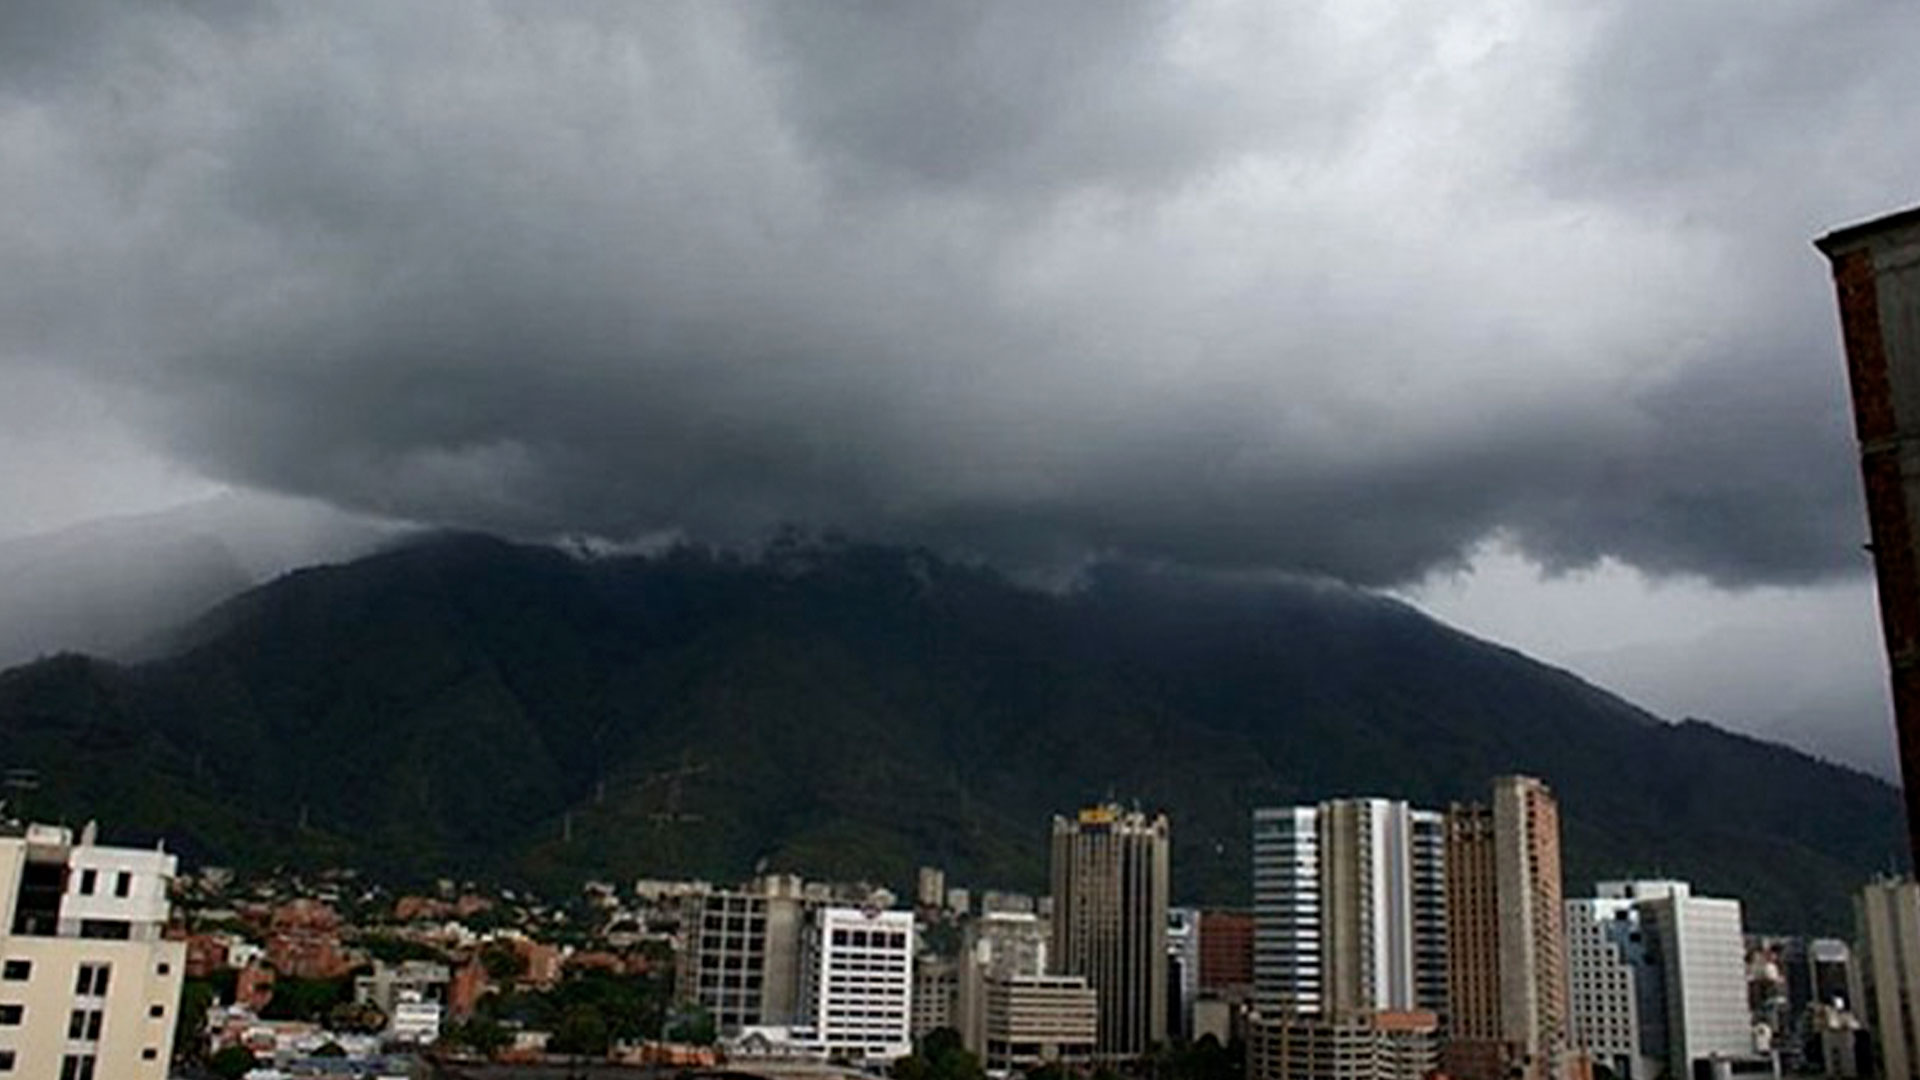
(17, 970)
(10, 1015)
(6, 1061)
(123, 884)
(84, 1025)
(76, 1067)
(166, 968)
(157, 1011)
(149, 1054)
(88, 879)
(91, 981)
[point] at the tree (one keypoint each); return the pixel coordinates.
(396, 950)
(503, 962)
(691, 1023)
(1203, 1059)
(481, 1034)
(232, 1063)
(306, 999)
(583, 1030)
(941, 1056)
(356, 1017)
(190, 1022)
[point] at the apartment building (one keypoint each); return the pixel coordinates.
(88, 987)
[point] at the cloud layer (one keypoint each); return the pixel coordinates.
(1341, 287)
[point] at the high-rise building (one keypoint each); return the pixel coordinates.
(88, 987)
(1183, 970)
(1110, 882)
(1342, 1045)
(930, 888)
(1226, 954)
(1349, 908)
(1615, 1004)
(1506, 948)
(1888, 958)
(857, 991)
(997, 945)
(1821, 974)
(1606, 967)
(1877, 280)
(740, 951)
(1702, 955)
(1659, 982)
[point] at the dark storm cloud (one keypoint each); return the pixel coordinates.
(1346, 288)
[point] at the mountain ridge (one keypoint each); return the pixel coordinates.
(461, 703)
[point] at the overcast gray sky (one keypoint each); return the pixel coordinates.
(1438, 298)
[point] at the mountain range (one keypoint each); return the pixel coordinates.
(461, 704)
(108, 587)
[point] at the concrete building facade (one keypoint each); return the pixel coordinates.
(1659, 981)
(930, 888)
(1887, 914)
(1876, 274)
(1349, 907)
(857, 990)
(1700, 948)
(1037, 1019)
(1342, 1045)
(1183, 970)
(415, 1019)
(88, 987)
(386, 984)
(1226, 954)
(1506, 946)
(997, 945)
(740, 951)
(1110, 882)
(936, 992)
(1608, 969)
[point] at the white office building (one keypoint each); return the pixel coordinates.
(88, 987)
(1349, 907)
(1697, 1016)
(858, 984)
(1614, 980)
